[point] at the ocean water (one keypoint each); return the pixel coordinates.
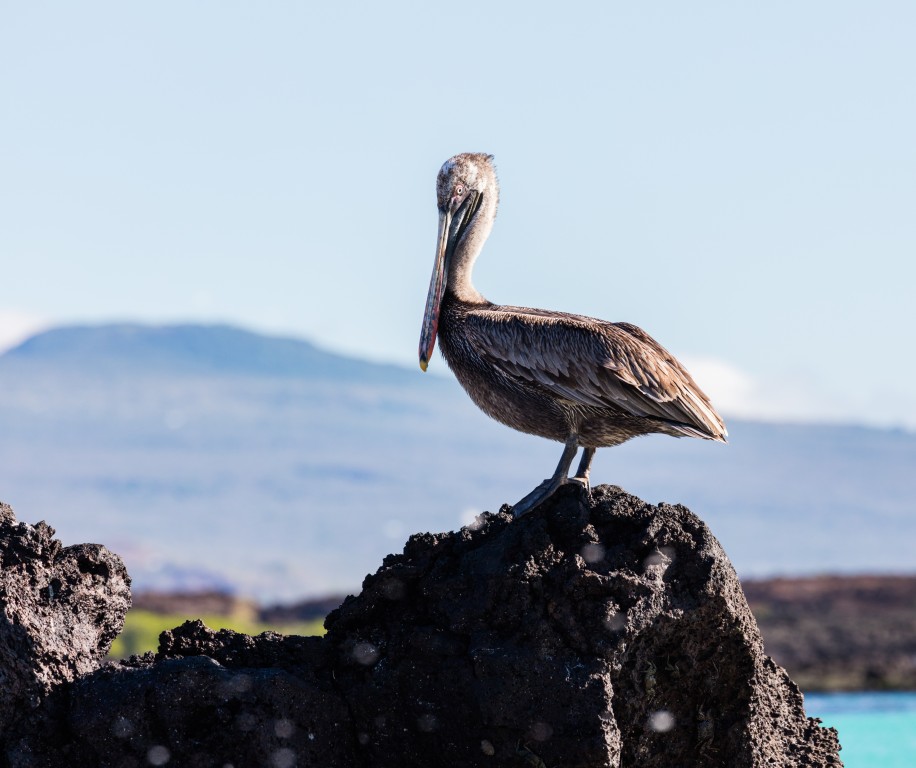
(877, 730)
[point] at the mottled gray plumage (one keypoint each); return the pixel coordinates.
(585, 382)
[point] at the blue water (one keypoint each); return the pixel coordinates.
(877, 730)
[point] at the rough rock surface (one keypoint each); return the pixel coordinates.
(593, 632)
(61, 608)
(602, 634)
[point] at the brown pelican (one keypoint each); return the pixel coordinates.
(584, 382)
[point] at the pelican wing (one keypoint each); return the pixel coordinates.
(595, 363)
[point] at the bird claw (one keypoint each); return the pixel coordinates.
(583, 481)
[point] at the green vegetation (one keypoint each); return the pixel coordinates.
(142, 629)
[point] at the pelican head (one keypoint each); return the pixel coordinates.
(467, 193)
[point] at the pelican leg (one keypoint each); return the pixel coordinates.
(585, 466)
(546, 489)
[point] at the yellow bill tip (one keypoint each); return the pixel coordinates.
(423, 365)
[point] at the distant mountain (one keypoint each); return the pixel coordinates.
(225, 458)
(212, 349)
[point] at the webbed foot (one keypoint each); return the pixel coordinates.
(546, 489)
(538, 496)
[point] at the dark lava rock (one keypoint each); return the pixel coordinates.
(593, 632)
(597, 633)
(61, 609)
(233, 700)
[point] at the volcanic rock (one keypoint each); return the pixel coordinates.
(596, 631)
(61, 608)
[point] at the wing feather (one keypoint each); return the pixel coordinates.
(593, 363)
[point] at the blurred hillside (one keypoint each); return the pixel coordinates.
(840, 632)
(211, 457)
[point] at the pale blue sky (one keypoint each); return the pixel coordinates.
(738, 179)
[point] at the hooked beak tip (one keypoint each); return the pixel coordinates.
(423, 365)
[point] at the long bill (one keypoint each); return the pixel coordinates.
(436, 291)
